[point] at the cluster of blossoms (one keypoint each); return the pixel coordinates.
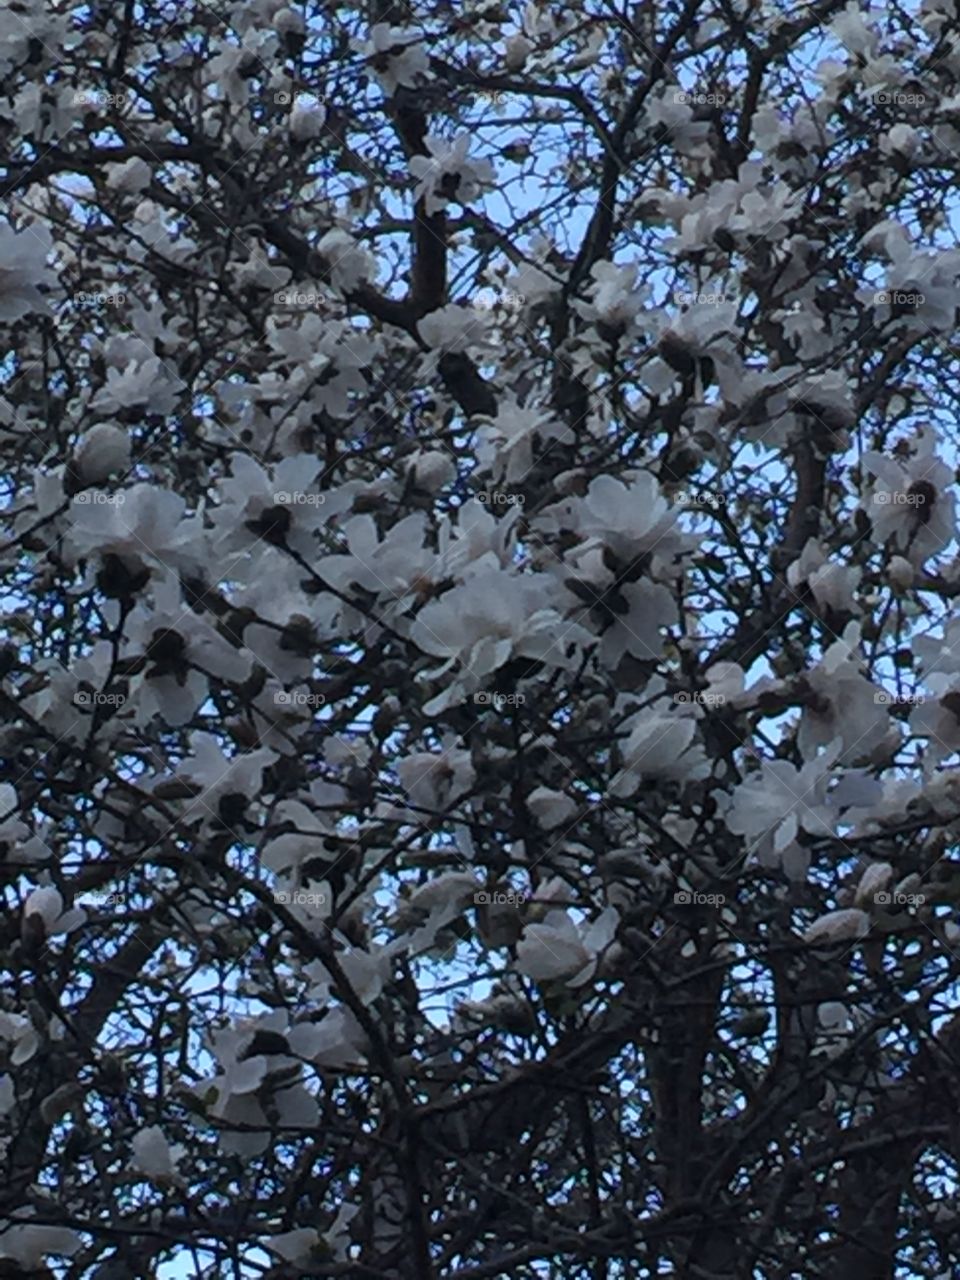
(278, 513)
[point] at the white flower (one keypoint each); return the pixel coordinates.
(631, 519)
(154, 1156)
(307, 122)
(908, 502)
(874, 880)
(182, 651)
(495, 616)
(660, 746)
(46, 904)
(839, 926)
(217, 775)
(614, 298)
(28, 1244)
(832, 585)
(852, 31)
(19, 1032)
(454, 328)
(23, 268)
(505, 446)
(396, 57)
(432, 469)
(102, 451)
(920, 291)
(900, 574)
(446, 173)
(516, 51)
(145, 384)
(283, 509)
(294, 1246)
(435, 782)
(550, 808)
(841, 705)
(781, 799)
(147, 527)
(349, 263)
(557, 948)
(130, 177)
(900, 139)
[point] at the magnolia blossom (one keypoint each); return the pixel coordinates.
(831, 584)
(45, 906)
(660, 746)
(182, 653)
(101, 452)
(349, 263)
(396, 57)
(558, 949)
(146, 529)
(446, 173)
(154, 1156)
(23, 270)
(139, 384)
(508, 445)
(494, 616)
(842, 705)
(131, 177)
(615, 300)
(839, 926)
(246, 1081)
(908, 503)
(287, 507)
(771, 806)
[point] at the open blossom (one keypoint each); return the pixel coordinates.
(831, 584)
(147, 384)
(841, 704)
(396, 57)
(23, 269)
(45, 906)
(908, 501)
(507, 444)
(446, 173)
(557, 948)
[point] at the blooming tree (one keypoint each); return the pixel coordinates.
(480, 671)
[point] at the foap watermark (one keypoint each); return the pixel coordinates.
(299, 898)
(296, 498)
(895, 498)
(894, 899)
(100, 98)
(884, 699)
(305, 101)
(487, 299)
(498, 700)
(703, 699)
(297, 299)
(685, 299)
(502, 499)
(693, 898)
(94, 699)
(293, 698)
(699, 98)
(898, 298)
(893, 98)
(94, 498)
(93, 898)
(700, 498)
(101, 298)
(500, 898)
